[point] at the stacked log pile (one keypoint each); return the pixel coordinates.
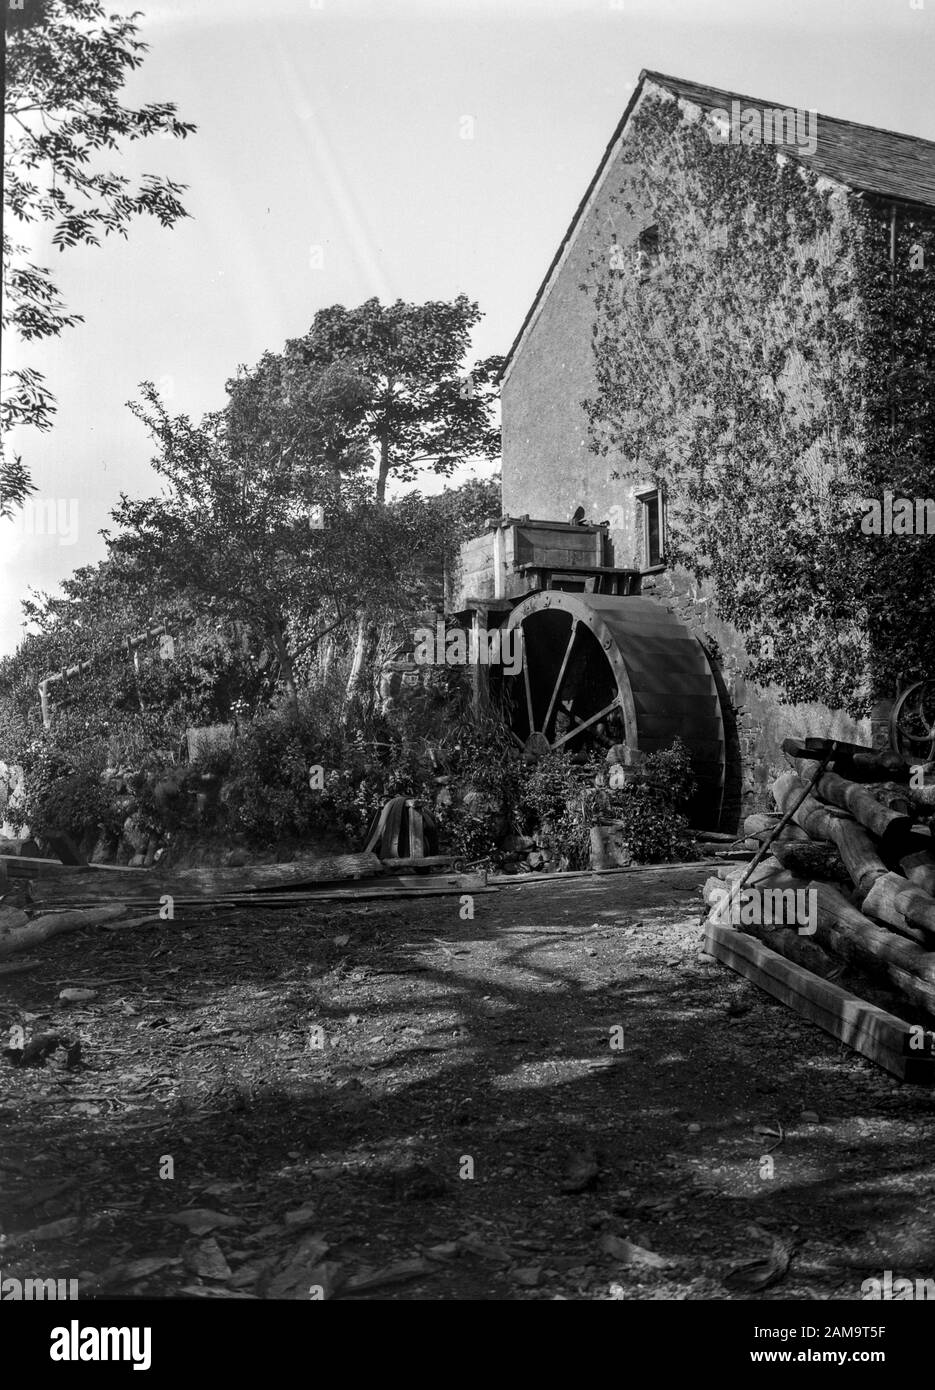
(852, 836)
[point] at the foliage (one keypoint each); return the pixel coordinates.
(748, 373)
(654, 831)
(15, 484)
(273, 796)
(557, 799)
(64, 73)
(137, 705)
(64, 790)
(672, 770)
(649, 804)
(483, 769)
(422, 410)
(562, 799)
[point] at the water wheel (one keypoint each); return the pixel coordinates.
(623, 668)
(912, 723)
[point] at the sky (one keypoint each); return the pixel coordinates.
(410, 149)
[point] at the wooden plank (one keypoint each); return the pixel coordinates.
(24, 866)
(210, 883)
(425, 860)
(515, 880)
(875, 1034)
(401, 886)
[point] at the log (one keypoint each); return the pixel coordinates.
(885, 824)
(880, 1036)
(781, 936)
(759, 826)
(42, 928)
(920, 869)
(208, 883)
(11, 918)
(855, 846)
(852, 760)
(768, 870)
(816, 820)
(893, 797)
(854, 937)
(896, 901)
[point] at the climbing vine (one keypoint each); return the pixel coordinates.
(748, 368)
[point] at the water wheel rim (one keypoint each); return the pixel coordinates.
(583, 623)
(910, 706)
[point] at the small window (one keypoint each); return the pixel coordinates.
(649, 251)
(652, 506)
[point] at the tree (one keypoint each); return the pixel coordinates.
(66, 63)
(279, 532)
(100, 606)
(424, 409)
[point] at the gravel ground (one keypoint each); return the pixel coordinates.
(558, 1097)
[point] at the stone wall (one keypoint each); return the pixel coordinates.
(549, 470)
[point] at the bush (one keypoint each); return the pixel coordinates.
(270, 794)
(650, 807)
(651, 826)
(558, 800)
(64, 791)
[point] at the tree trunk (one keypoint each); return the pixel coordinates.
(863, 806)
(42, 928)
(356, 701)
(286, 667)
(853, 936)
(920, 870)
(897, 902)
(852, 842)
(356, 698)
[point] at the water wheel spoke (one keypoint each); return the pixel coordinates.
(561, 675)
(532, 722)
(586, 723)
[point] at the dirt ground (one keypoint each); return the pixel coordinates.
(390, 1102)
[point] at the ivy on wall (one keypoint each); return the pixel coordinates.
(758, 367)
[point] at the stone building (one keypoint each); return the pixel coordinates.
(550, 470)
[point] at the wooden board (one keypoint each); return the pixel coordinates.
(875, 1034)
(515, 880)
(25, 866)
(208, 882)
(445, 885)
